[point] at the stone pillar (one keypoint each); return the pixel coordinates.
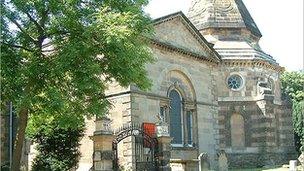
(267, 131)
(102, 138)
(164, 146)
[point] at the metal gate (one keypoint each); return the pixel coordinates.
(146, 156)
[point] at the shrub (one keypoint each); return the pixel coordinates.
(58, 148)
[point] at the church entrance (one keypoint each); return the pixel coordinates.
(145, 147)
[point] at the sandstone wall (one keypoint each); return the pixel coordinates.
(267, 119)
(196, 81)
(251, 78)
(86, 146)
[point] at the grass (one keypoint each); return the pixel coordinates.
(245, 169)
(284, 168)
(261, 169)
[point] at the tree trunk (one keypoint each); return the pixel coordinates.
(22, 123)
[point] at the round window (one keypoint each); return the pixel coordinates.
(235, 82)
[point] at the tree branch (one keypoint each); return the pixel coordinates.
(21, 29)
(39, 27)
(44, 17)
(58, 32)
(17, 46)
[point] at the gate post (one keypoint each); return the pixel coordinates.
(102, 138)
(164, 146)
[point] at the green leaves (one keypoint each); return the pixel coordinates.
(298, 120)
(293, 86)
(58, 56)
(57, 147)
(298, 108)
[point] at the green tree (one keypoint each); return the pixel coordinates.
(57, 146)
(293, 87)
(58, 56)
(298, 124)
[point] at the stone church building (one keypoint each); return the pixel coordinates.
(214, 87)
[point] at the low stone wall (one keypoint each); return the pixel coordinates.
(253, 160)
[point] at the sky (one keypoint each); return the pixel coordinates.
(280, 22)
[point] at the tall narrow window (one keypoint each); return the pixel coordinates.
(176, 117)
(189, 128)
(237, 131)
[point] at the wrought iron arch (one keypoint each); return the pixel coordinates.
(142, 139)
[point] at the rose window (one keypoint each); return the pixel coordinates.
(235, 82)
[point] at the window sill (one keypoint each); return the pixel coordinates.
(184, 148)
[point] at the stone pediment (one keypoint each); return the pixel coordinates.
(177, 31)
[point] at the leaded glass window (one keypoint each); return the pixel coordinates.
(176, 117)
(235, 82)
(189, 128)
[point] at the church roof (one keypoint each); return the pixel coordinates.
(222, 14)
(172, 34)
(235, 50)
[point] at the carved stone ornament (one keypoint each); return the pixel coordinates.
(102, 155)
(97, 156)
(176, 84)
(223, 5)
(198, 6)
(103, 124)
(263, 88)
(107, 155)
(160, 118)
(162, 130)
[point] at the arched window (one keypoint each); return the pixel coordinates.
(237, 131)
(176, 117)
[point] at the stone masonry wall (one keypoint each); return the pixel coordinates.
(197, 84)
(267, 119)
(120, 114)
